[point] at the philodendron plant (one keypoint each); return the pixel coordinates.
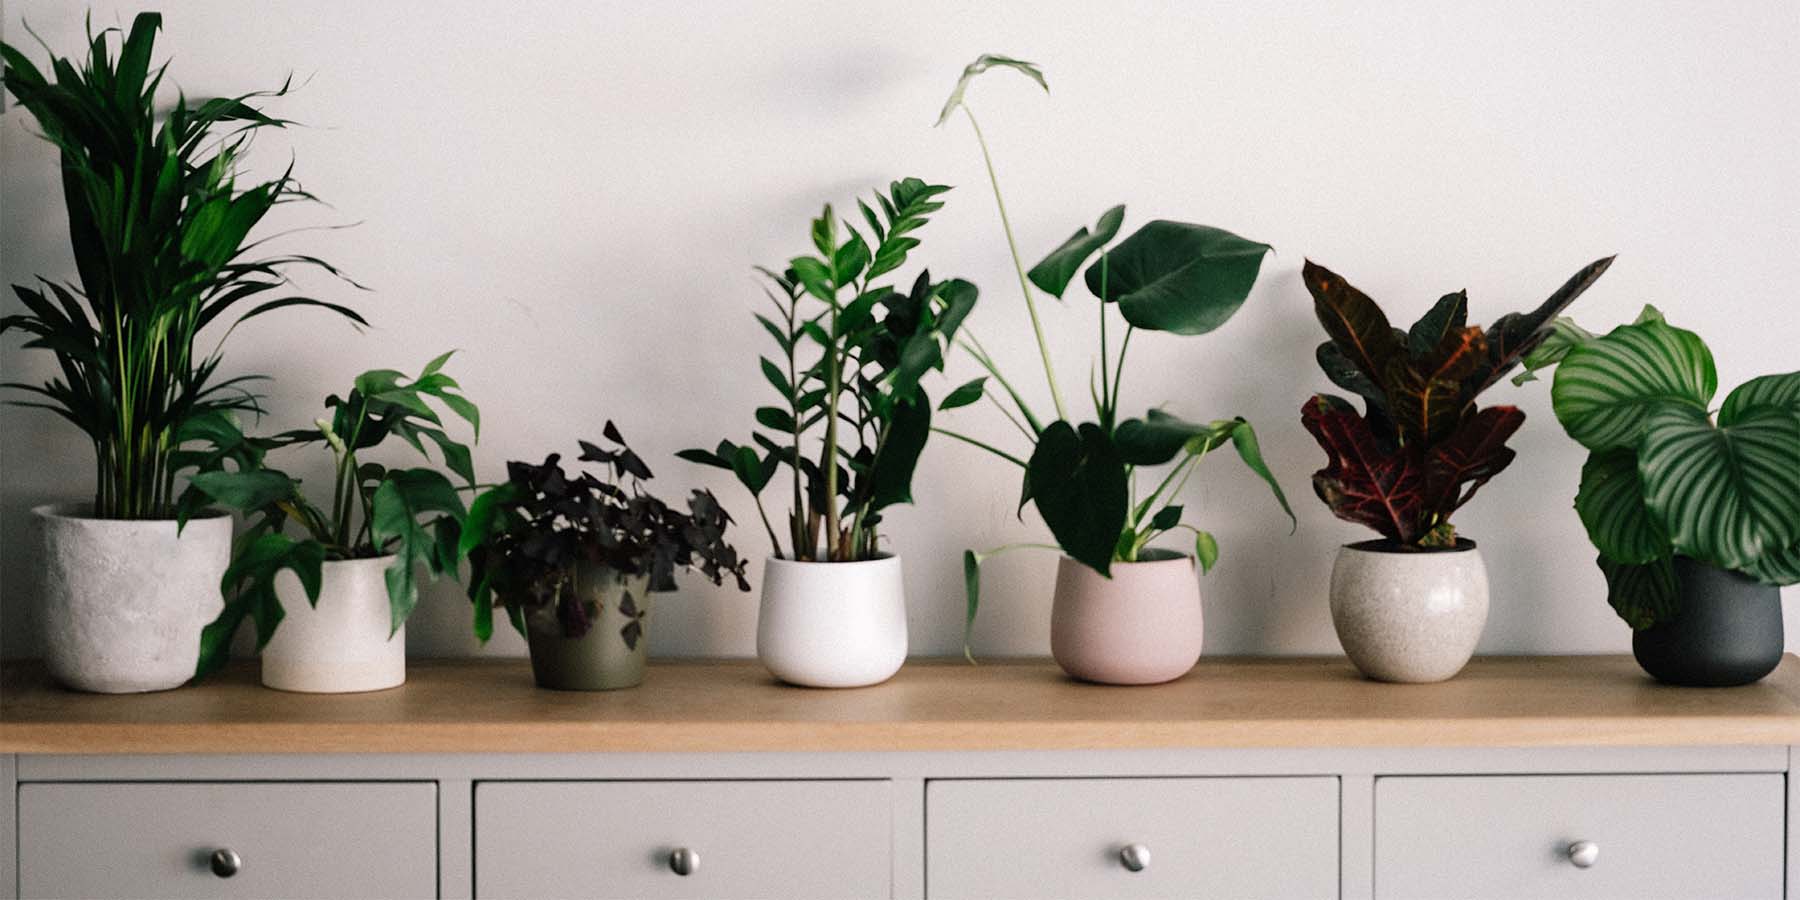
(1421, 448)
(1668, 475)
(852, 416)
(527, 537)
(159, 226)
(1167, 276)
(413, 514)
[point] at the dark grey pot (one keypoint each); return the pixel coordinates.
(1728, 631)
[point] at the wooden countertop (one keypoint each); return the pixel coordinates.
(451, 706)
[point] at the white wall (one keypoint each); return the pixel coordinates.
(573, 193)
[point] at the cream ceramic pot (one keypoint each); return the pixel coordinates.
(1409, 616)
(342, 645)
(125, 600)
(1141, 626)
(826, 624)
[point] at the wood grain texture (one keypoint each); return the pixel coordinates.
(489, 706)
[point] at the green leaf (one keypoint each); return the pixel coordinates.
(1642, 595)
(1606, 388)
(399, 505)
(775, 418)
(1054, 273)
(1780, 568)
(1564, 336)
(849, 260)
(777, 377)
(1206, 550)
(966, 393)
(1769, 390)
(1079, 486)
(898, 455)
(981, 64)
(1727, 494)
(815, 276)
(1447, 317)
(824, 233)
(1243, 437)
(1611, 505)
(247, 491)
(486, 516)
(1166, 518)
(249, 588)
(752, 471)
(972, 587)
(1177, 277)
(1159, 436)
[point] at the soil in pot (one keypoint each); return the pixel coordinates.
(1406, 615)
(1141, 626)
(1727, 631)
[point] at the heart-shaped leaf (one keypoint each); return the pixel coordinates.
(1058, 269)
(1769, 390)
(1781, 568)
(1159, 436)
(1727, 495)
(1611, 505)
(1606, 388)
(1079, 485)
(1177, 277)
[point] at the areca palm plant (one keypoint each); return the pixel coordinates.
(159, 226)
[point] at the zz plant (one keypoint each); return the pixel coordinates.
(527, 538)
(159, 226)
(852, 416)
(1421, 447)
(413, 514)
(1167, 276)
(1668, 474)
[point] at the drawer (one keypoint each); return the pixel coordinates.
(617, 839)
(1205, 837)
(292, 840)
(1674, 836)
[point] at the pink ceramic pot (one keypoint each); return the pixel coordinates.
(1141, 626)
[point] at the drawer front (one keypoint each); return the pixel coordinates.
(788, 839)
(1205, 837)
(1675, 836)
(292, 840)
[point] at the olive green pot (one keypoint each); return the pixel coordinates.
(601, 659)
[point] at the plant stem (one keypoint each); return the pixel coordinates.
(1009, 416)
(773, 540)
(980, 354)
(1012, 245)
(988, 447)
(1119, 369)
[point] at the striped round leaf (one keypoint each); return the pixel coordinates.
(1641, 595)
(1605, 388)
(1769, 390)
(1726, 495)
(1780, 568)
(1611, 505)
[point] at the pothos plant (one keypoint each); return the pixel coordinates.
(1167, 276)
(528, 538)
(852, 416)
(1420, 448)
(412, 514)
(1667, 474)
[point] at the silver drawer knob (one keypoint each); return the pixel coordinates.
(225, 862)
(683, 861)
(1583, 854)
(1135, 857)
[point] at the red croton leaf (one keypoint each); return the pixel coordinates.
(1362, 482)
(1356, 325)
(1476, 452)
(1426, 393)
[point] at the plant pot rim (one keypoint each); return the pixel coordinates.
(880, 559)
(385, 560)
(1386, 547)
(81, 512)
(1178, 557)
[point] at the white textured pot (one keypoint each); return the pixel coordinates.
(836, 625)
(1409, 616)
(125, 600)
(341, 646)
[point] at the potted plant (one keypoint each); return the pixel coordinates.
(1124, 612)
(1696, 515)
(573, 561)
(850, 425)
(158, 226)
(342, 588)
(1410, 607)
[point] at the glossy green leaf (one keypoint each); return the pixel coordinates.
(891, 477)
(1159, 437)
(1781, 391)
(1206, 550)
(1611, 505)
(968, 392)
(1178, 277)
(396, 525)
(1249, 450)
(1642, 595)
(1079, 486)
(981, 64)
(1054, 273)
(1606, 388)
(1781, 567)
(1727, 495)
(245, 491)
(1166, 518)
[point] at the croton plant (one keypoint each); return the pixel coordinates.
(1421, 447)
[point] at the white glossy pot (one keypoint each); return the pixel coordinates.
(1410, 617)
(832, 625)
(125, 600)
(342, 645)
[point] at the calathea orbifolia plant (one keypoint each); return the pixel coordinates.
(1421, 448)
(528, 538)
(1667, 474)
(160, 230)
(413, 514)
(1167, 276)
(853, 416)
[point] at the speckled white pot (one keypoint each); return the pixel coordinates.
(1410, 617)
(125, 600)
(832, 624)
(342, 645)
